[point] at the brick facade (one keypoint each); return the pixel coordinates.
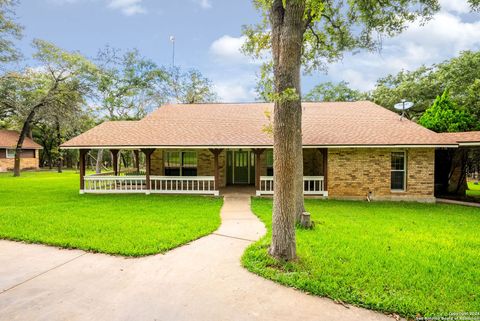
(205, 166)
(7, 164)
(353, 173)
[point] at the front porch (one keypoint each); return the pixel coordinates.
(201, 171)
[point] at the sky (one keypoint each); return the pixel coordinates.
(208, 36)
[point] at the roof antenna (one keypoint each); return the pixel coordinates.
(404, 105)
(172, 40)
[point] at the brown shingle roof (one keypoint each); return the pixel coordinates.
(9, 138)
(324, 124)
(464, 138)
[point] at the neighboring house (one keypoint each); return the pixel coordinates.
(352, 150)
(28, 157)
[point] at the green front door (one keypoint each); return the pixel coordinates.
(240, 167)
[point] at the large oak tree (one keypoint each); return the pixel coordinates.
(60, 80)
(313, 33)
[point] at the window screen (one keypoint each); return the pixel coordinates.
(398, 169)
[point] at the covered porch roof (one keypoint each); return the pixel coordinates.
(464, 139)
(339, 124)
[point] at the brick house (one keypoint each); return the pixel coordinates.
(28, 157)
(352, 150)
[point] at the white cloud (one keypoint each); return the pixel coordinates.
(458, 6)
(442, 38)
(232, 92)
(204, 4)
(127, 7)
(227, 48)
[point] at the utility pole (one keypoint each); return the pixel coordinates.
(172, 40)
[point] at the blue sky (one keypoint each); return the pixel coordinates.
(208, 36)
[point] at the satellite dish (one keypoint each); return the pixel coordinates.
(404, 105)
(172, 38)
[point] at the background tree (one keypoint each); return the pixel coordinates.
(445, 116)
(126, 87)
(61, 79)
(9, 32)
(421, 86)
(329, 91)
(189, 87)
(312, 33)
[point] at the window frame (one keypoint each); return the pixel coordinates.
(9, 156)
(181, 167)
(268, 166)
(404, 171)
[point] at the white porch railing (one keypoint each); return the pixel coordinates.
(114, 184)
(158, 184)
(183, 185)
(312, 185)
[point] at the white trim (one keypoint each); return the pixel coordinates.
(469, 144)
(318, 187)
(262, 146)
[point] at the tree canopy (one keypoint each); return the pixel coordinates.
(10, 31)
(421, 86)
(445, 116)
(330, 91)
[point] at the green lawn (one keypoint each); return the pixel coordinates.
(406, 258)
(45, 207)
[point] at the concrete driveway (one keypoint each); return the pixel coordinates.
(199, 281)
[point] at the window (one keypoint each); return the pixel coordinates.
(180, 163)
(398, 171)
(10, 153)
(269, 161)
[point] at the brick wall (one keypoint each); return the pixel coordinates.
(205, 165)
(352, 173)
(6, 164)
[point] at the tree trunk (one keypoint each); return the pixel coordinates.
(98, 166)
(59, 142)
(287, 38)
(21, 138)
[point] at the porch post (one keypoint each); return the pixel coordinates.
(148, 153)
(258, 152)
(114, 153)
(216, 152)
(137, 160)
(325, 167)
(83, 153)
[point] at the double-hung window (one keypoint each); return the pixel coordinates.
(398, 171)
(10, 153)
(180, 163)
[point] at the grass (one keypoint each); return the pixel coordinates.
(473, 190)
(406, 258)
(45, 207)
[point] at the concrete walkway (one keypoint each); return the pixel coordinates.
(199, 281)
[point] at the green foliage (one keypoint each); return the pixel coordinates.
(445, 116)
(334, 27)
(334, 92)
(45, 207)
(460, 75)
(385, 256)
(9, 32)
(59, 83)
(189, 87)
(126, 84)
